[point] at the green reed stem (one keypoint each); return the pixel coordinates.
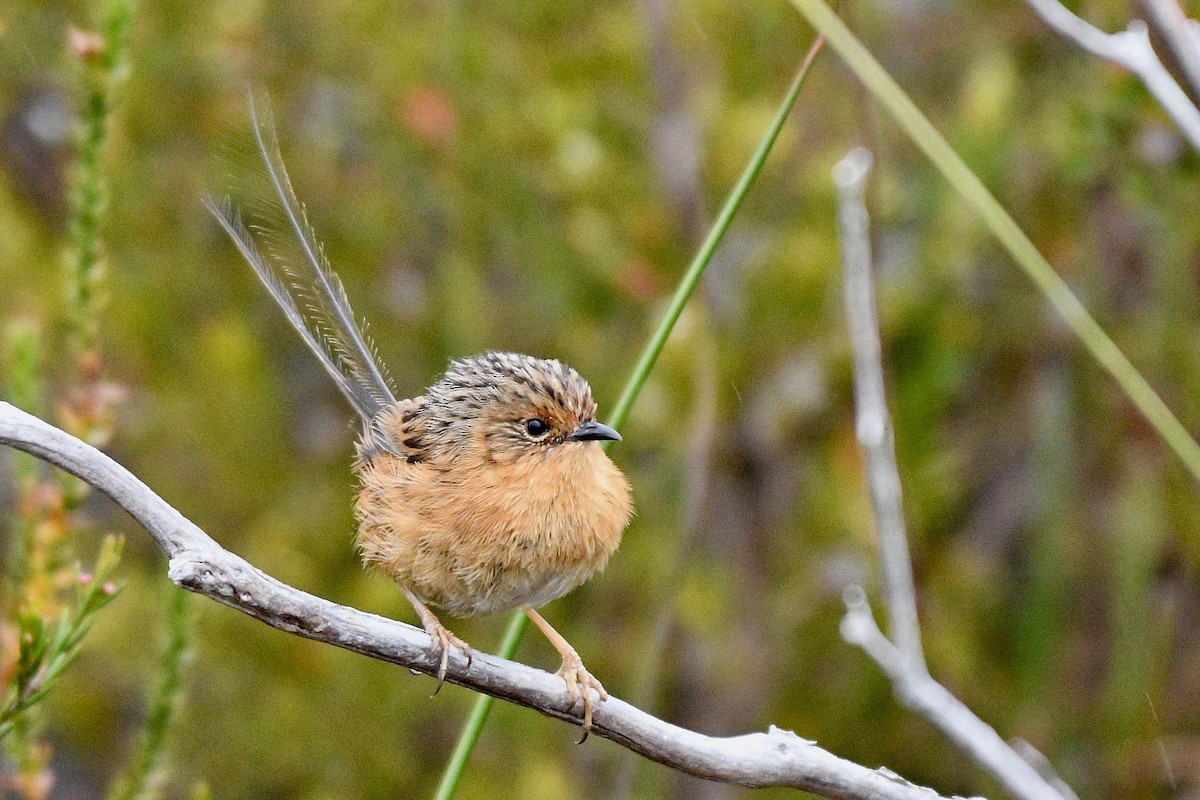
(479, 715)
(691, 278)
(142, 777)
(972, 190)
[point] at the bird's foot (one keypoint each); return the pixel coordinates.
(579, 683)
(444, 639)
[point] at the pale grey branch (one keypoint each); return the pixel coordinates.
(197, 562)
(921, 693)
(901, 658)
(874, 424)
(1180, 35)
(1132, 50)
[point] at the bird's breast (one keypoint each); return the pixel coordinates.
(485, 537)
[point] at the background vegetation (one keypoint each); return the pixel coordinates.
(534, 176)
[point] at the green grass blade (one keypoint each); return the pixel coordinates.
(483, 703)
(479, 715)
(972, 190)
(692, 277)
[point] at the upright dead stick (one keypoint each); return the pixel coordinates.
(901, 658)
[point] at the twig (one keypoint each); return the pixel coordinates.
(1180, 34)
(1132, 50)
(873, 424)
(921, 693)
(901, 661)
(197, 562)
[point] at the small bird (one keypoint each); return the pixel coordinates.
(488, 492)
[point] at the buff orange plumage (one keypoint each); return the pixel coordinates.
(489, 491)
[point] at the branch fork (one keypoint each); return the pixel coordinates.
(900, 657)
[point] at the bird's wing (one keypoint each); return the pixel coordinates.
(398, 430)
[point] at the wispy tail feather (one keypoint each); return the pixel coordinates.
(299, 278)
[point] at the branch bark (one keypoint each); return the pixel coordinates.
(873, 424)
(919, 692)
(198, 563)
(1181, 36)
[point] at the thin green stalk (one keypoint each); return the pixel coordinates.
(479, 715)
(691, 278)
(972, 190)
(103, 64)
(142, 778)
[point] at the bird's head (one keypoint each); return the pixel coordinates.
(512, 406)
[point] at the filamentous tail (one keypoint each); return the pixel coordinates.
(297, 274)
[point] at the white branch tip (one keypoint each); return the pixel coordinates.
(851, 171)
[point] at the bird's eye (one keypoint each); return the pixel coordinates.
(536, 428)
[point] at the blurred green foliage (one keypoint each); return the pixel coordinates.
(496, 175)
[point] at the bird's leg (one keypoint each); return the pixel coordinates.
(572, 671)
(442, 637)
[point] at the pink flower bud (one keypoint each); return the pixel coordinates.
(84, 45)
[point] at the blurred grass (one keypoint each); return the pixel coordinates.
(147, 774)
(490, 175)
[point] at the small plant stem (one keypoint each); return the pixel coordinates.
(143, 773)
(102, 65)
(479, 715)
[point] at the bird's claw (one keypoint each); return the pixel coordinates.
(575, 675)
(444, 640)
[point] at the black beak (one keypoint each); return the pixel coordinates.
(594, 432)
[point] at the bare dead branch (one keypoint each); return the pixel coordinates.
(1130, 49)
(902, 660)
(198, 563)
(1181, 36)
(921, 693)
(873, 424)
